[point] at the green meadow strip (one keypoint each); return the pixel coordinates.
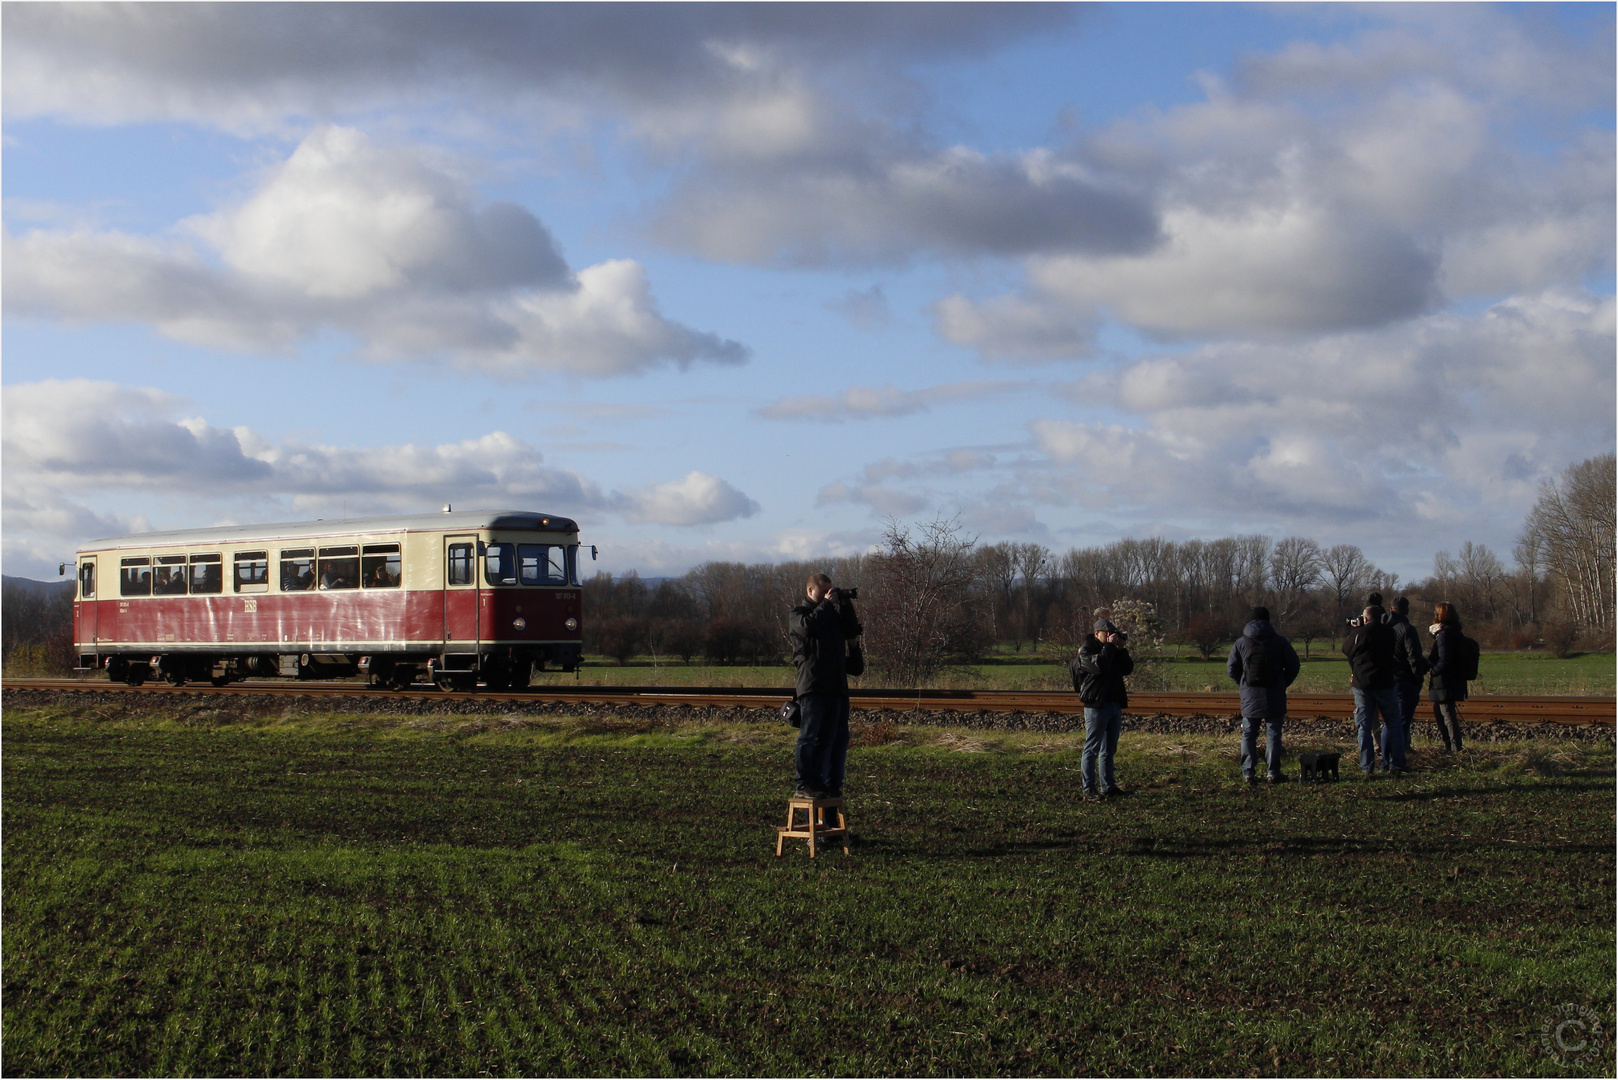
(343, 895)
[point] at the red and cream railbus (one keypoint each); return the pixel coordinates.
(456, 597)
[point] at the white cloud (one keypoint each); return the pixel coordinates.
(376, 242)
(1461, 414)
(697, 499)
(344, 218)
(69, 445)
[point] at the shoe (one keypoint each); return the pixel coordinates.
(1089, 794)
(1114, 793)
(1249, 779)
(834, 793)
(808, 793)
(1276, 778)
(1369, 774)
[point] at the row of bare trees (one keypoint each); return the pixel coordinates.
(933, 597)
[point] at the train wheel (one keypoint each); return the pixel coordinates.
(402, 676)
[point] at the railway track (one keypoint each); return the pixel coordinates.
(1498, 708)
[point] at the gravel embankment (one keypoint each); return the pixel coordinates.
(112, 704)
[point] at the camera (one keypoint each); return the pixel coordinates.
(849, 594)
(1355, 622)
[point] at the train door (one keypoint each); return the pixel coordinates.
(85, 621)
(460, 591)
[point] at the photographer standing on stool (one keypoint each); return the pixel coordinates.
(820, 629)
(1098, 675)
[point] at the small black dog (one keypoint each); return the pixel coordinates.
(1317, 768)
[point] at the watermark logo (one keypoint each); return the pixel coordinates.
(1574, 1035)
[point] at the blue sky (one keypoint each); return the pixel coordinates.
(741, 282)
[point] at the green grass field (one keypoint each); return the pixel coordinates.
(364, 895)
(1324, 671)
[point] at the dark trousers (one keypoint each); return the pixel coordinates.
(1446, 710)
(1407, 692)
(822, 749)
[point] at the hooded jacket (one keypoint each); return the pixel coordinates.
(1098, 673)
(1409, 665)
(1267, 702)
(1370, 653)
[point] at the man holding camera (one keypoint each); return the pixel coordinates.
(1369, 649)
(820, 629)
(1098, 675)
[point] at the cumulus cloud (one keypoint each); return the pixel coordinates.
(378, 242)
(1335, 189)
(697, 499)
(895, 203)
(1449, 421)
(244, 66)
(881, 402)
(71, 443)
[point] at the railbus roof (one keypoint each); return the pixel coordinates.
(450, 521)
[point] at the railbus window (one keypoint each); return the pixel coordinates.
(573, 564)
(379, 566)
(500, 564)
(252, 571)
(87, 581)
(135, 577)
(340, 567)
(297, 569)
(460, 564)
(207, 575)
(169, 578)
(540, 564)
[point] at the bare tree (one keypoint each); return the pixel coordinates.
(1572, 523)
(1347, 570)
(922, 615)
(1295, 566)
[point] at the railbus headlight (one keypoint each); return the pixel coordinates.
(519, 623)
(572, 624)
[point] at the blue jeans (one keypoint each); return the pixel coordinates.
(1367, 704)
(1101, 727)
(822, 751)
(1408, 693)
(1250, 726)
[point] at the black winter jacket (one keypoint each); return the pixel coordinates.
(1444, 661)
(1268, 702)
(820, 634)
(1409, 665)
(1098, 673)
(1370, 653)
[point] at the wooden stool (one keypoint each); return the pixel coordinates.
(815, 827)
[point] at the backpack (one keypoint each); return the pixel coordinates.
(1257, 671)
(1466, 658)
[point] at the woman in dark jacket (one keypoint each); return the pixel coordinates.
(1444, 661)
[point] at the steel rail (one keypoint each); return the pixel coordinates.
(1488, 708)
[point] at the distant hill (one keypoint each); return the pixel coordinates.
(45, 587)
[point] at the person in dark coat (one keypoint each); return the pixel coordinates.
(1409, 667)
(1447, 687)
(1098, 675)
(1264, 664)
(820, 629)
(1369, 649)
